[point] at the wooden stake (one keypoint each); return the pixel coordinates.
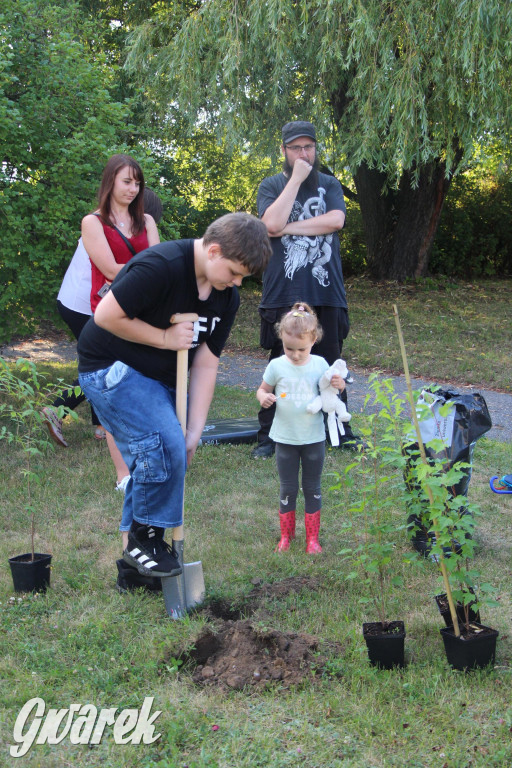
(442, 564)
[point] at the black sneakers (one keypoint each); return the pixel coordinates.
(129, 579)
(264, 450)
(150, 554)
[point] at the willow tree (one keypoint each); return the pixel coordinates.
(402, 89)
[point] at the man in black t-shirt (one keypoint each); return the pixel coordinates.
(127, 367)
(303, 211)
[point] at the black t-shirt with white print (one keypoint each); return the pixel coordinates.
(302, 267)
(153, 286)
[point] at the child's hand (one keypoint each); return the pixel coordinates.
(266, 399)
(338, 382)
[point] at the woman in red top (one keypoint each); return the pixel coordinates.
(120, 210)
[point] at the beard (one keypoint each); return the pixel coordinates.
(309, 185)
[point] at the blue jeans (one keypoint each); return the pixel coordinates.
(140, 413)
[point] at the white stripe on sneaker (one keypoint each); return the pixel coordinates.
(141, 558)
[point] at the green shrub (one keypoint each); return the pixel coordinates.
(475, 233)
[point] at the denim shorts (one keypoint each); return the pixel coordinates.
(141, 415)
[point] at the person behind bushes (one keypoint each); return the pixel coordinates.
(74, 306)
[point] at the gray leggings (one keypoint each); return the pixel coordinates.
(288, 459)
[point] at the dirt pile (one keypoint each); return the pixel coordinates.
(238, 655)
(234, 653)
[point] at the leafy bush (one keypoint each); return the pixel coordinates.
(57, 125)
(474, 238)
(352, 243)
(25, 391)
(377, 470)
(475, 234)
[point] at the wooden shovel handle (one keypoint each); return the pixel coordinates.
(182, 371)
(181, 390)
(184, 317)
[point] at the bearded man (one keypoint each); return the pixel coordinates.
(303, 210)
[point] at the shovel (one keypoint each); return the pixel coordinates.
(183, 592)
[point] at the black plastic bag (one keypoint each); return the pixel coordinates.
(465, 423)
(471, 420)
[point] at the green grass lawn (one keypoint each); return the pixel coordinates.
(83, 642)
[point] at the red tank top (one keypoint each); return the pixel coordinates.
(122, 254)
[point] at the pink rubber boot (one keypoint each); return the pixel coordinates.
(287, 523)
(312, 523)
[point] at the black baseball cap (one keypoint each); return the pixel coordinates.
(292, 131)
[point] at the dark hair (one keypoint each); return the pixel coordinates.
(300, 321)
(136, 207)
(243, 238)
(152, 204)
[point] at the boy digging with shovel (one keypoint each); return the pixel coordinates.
(127, 368)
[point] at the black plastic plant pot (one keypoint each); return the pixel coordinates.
(385, 643)
(444, 610)
(472, 650)
(31, 575)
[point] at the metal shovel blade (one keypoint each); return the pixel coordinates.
(183, 592)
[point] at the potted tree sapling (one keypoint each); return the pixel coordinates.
(24, 393)
(449, 525)
(454, 516)
(375, 470)
(452, 524)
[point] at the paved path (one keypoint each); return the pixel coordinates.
(246, 371)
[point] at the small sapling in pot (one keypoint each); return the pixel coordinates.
(376, 469)
(475, 645)
(24, 392)
(449, 524)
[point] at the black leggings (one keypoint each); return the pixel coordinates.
(288, 459)
(75, 322)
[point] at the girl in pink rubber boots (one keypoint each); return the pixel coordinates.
(291, 382)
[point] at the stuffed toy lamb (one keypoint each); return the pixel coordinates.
(330, 403)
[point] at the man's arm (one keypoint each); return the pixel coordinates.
(332, 221)
(112, 317)
(277, 214)
(203, 375)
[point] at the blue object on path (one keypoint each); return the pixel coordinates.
(504, 485)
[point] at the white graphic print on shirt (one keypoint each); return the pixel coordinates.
(300, 250)
(201, 327)
(299, 391)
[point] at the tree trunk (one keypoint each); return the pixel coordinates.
(400, 224)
